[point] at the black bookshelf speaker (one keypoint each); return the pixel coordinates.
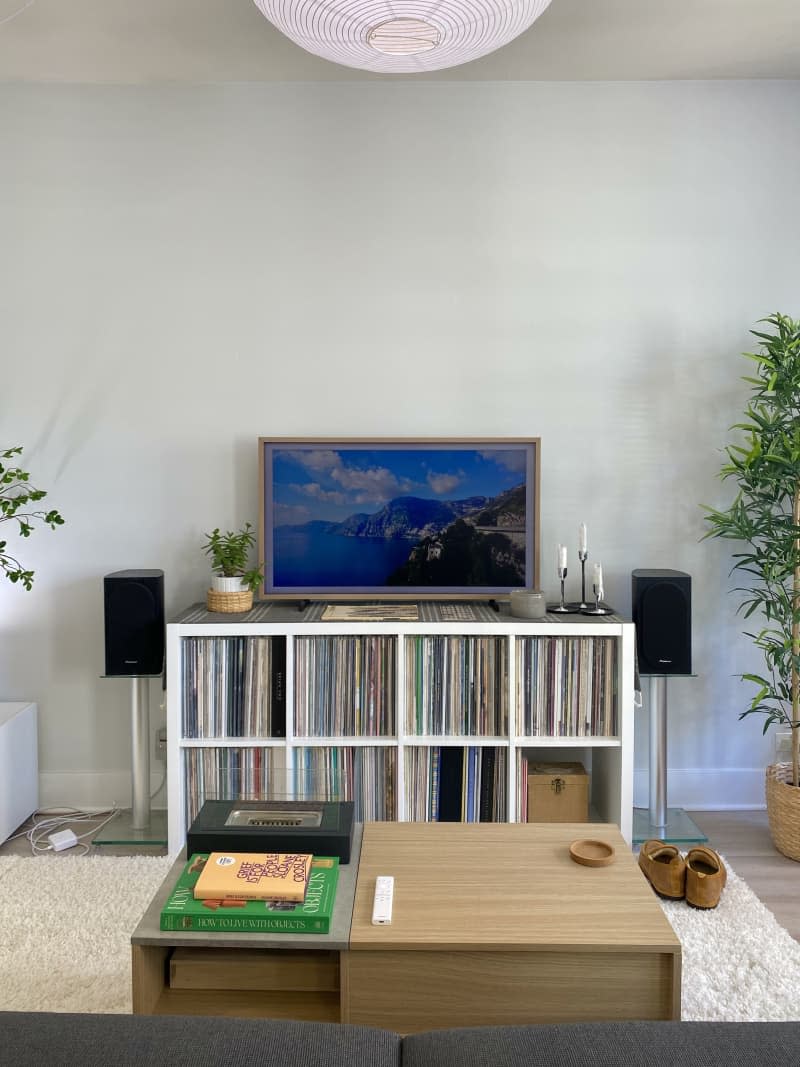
(134, 622)
(662, 612)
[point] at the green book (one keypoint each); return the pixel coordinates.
(313, 916)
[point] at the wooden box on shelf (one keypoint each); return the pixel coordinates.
(558, 792)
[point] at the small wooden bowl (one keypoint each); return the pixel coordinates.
(592, 853)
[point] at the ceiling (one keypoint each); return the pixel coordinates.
(147, 41)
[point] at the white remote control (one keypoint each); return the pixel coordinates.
(382, 903)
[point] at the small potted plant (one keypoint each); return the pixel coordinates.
(16, 496)
(233, 580)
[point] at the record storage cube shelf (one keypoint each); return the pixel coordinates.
(410, 720)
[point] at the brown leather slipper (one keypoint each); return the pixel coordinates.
(705, 877)
(664, 868)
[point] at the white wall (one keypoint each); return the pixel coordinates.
(184, 269)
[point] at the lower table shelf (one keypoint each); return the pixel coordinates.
(154, 992)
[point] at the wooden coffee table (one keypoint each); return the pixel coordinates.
(496, 924)
(492, 924)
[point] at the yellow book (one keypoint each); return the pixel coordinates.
(254, 876)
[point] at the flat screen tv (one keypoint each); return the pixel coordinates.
(391, 518)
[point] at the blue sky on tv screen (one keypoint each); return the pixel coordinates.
(332, 483)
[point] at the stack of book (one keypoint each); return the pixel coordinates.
(253, 893)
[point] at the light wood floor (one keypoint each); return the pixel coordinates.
(742, 837)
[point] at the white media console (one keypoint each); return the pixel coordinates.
(377, 698)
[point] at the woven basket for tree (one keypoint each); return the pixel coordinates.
(783, 810)
(229, 602)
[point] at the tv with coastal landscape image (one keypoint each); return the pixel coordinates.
(398, 518)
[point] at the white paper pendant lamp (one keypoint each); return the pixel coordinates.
(401, 36)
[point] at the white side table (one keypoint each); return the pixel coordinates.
(19, 764)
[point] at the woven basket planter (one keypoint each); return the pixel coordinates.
(783, 809)
(242, 600)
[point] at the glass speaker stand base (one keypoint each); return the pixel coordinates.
(677, 828)
(121, 831)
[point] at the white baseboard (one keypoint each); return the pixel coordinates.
(95, 790)
(706, 789)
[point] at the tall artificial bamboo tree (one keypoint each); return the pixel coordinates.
(765, 516)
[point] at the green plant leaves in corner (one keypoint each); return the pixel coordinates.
(16, 497)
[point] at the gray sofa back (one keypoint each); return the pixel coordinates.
(35, 1039)
(31, 1039)
(631, 1044)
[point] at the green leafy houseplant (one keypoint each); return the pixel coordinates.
(765, 517)
(230, 555)
(16, 497)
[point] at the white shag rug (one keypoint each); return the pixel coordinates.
(66, 923)
(739, 964)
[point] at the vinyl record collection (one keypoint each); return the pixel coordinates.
(457, 685)
(568, 686)
(345, 686)
(341, 740)
(232, 774)
(234, 687)
(364, 774)
(456, 784)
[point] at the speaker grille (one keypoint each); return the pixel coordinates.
(662, 614)
(134, 622)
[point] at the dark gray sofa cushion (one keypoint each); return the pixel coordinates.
(31, 1039)
(630, 1044)
(65, 1040)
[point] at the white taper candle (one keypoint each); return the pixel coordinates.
(598, 581)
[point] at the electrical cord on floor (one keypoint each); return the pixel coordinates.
(161, 784)
(54, 825)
